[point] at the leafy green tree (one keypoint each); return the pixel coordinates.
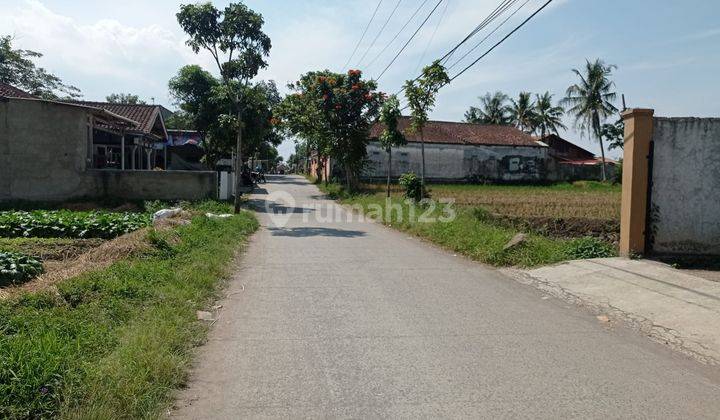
(522, 112)
(614, 134)
(124, 98)
(333, 112)
(421, 95)
(548, 117)
(301, 115)
(391, 136)
(494, 110)
(17, 68)
(591, 101)
(234, 38)
(205, 101)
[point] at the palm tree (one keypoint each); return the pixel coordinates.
(522, 112)
(590, 101)
(548, 118)
(493, 111)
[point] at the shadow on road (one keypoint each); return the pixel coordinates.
(304, 232)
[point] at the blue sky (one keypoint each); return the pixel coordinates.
(667, 51)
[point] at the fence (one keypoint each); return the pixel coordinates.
(671, 185)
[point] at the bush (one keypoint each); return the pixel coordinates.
(589, 247)
(18, 268)
(413, 186)
(69, 224)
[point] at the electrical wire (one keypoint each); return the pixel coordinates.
(488, 35)
(409, 40)
(380, 32)
(363, 34)
(432, 38)
(517, 28)
(398, 33)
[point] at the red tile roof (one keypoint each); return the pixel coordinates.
(144, 115)
(8, 91)
(463, 133)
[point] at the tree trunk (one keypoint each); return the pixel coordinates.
(602, 154)
(596, 126)
(348, 174)
(389, 150)
(422, 164)
(238, 163)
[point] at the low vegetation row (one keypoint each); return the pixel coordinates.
(483, 232)
(70, 224)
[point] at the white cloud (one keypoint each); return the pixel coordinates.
(101, 57)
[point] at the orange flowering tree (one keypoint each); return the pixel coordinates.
(334, 112)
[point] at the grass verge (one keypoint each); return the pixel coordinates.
(471, 232)
(114, 343)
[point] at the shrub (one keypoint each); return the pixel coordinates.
(69, 224)
(413, 186)
(17, 268)
(589, 247)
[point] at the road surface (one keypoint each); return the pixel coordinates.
(335, 319)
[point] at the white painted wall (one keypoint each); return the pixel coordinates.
(458, 162)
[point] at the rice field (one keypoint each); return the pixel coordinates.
(586, 200)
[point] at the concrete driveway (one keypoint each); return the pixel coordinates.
(327, 318)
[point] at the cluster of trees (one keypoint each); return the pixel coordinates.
(589, 102)
(332, 113)
(18, 69)
(232, 112)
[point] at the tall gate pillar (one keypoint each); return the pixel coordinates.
(636, 161)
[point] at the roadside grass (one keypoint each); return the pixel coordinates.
(472, 232)
(115, 342)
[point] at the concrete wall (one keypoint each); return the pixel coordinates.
(452, 162)
(685, 193)
(43, 157)
(43, 149)
(154, 185)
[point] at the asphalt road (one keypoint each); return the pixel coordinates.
(335, 319)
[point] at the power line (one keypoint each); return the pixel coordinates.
(409, 40)
(382, 29)
(488, 35)
(363, 34)
(432, 38)
(517, 28)
(501, 41)
(501, 8)
(398, 33)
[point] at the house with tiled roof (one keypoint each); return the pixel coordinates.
(457, 151)
(58, 150)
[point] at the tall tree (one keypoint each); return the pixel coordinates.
(333, 112)
(494, 110)
(548, 117)
(421, 94)
(124, 98)
(235, 39)
(614, 134)
(591, 101)
(522, 112)
(391, 136)
(18, 69)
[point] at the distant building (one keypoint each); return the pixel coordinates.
(185, 150)
(456, 151)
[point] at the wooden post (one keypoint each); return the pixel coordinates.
(636, 154)
(122, 152)
(132, 157)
